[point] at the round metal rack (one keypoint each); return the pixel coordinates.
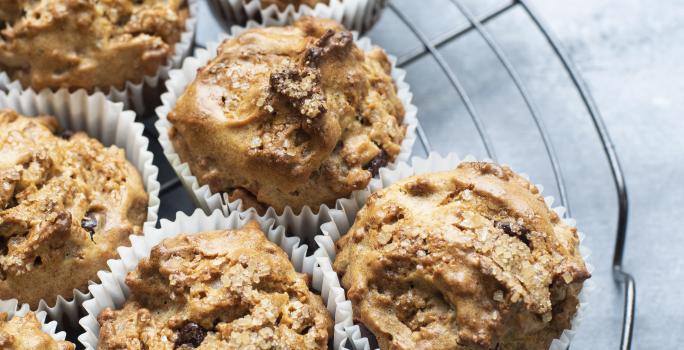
(431, 46)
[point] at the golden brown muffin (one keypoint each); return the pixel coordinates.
(295, 115)
(66, 203)
(466, 259)
(230, 289)
(282, 4)
(87, 43)
(26, 333)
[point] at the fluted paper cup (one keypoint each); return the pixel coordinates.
(358, 15)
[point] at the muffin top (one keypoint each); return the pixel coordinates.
(231, 289)
(87, 44)
(466, 259)
(66, 203)
(295, 115)
(26, 333)
(282, 4)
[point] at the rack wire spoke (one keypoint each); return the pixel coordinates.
(453, 34)
(529, 102)
(619, 274)
(455, 82)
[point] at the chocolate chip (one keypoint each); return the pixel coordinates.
(3, 246)
(191, 334)
(508, 229)
(89, 223)
(66, 134)
(376, 163)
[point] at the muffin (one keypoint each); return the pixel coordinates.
(289, 116)
(87, 44)
(227, 289)
(66, 203)
(26, 333)
(466, 259)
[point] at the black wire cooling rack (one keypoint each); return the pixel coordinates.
(172, 193)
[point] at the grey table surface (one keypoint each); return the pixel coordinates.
(629, 52)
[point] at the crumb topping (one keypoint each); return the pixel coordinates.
(217, 290)
(466, 259)
(66, 203)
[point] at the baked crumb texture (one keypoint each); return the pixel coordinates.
(230, 289)
(295, 115)
(283, 4)
(26, 333)
(66, 203)
(87, 44)
(467, 259)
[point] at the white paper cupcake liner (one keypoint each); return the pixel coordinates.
(305, 223)
(113, 291)
(12, 308)
(358, 15)
(135, 95)
(348, 209)
(107, 122)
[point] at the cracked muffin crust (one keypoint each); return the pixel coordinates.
(282, 4)
(26, 333)
(87, 44)
(295, 115)
(466, 259)
(229, 289)
(66, 203)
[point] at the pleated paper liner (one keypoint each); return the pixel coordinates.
(357, 15)
(341, 223)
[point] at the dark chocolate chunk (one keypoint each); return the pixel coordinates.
(66, 134)
(3, 246)
(508, 229)
(89, 223)
(330, 42)
(191, 334)
(376, 163)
